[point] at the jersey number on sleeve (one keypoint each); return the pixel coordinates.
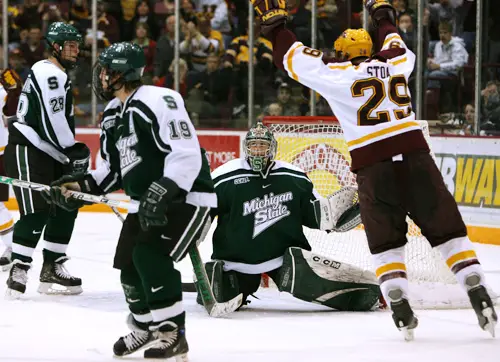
(379, 93)
(56, 104)
(178, 129)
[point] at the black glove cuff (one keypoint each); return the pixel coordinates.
(174, 193)
(89, 185)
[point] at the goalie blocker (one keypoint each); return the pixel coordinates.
(305, 275)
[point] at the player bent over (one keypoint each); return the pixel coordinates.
(42, 148)
(262, 206)
(151, 151)
(367, 89)
(6, 221)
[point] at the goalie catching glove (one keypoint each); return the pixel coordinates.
(338, 212)
(380, 9)
(272, 13)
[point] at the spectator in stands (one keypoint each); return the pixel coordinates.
(149, 46)
(443, 68)
(79, 15)
(165, 49)
(107, 23)
(33, 50)
(208, 91)
(30, 14)
(490, 106)
(284, 97)
(52, 15)
(127, 19)
(188, 11)
(274, 110)
(443, 11)
(402, 7)
(144, 14)
(200, 41)
(327, 9)
(168, 80)
(217, 12)
(18, 63)
(237, 56)
(406, 30)
(299, 21)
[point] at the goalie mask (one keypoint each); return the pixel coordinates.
(259, 147)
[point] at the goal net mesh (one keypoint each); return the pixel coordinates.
(317, 145)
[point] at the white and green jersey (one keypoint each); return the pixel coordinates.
(46, 105)
(148, 137)
(260, 217)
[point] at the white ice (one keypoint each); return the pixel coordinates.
(274, 328)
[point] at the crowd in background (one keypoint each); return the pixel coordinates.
(215, 54)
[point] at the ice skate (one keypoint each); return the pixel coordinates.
(55, 279)
(170, 343)
(482, 304)
(402, 314)
(6, 259)
(18, 278)
(138, 339)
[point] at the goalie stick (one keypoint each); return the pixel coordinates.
(213, 308)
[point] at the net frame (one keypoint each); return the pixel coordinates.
(432, 285)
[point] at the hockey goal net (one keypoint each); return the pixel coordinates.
(317, 145)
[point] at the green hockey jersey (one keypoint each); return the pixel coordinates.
(260, 217)
(148, 137)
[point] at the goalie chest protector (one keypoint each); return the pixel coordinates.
(260, 217)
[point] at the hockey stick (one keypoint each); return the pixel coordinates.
(128, 205)
(213, 308)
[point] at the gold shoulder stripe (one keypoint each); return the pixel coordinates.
(399, 61)
(341, 67)
(290, 59)
(394, 37)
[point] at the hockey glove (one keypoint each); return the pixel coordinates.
(58, 195)
(272, 13)
(154, 203)
(79, 158)
(13, 85)
(380, 9)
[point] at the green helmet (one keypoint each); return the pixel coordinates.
(259, 147)
(60, 33)
(125, 60)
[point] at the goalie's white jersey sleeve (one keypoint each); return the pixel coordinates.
(371, 101)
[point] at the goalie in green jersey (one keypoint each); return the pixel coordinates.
(262, 207)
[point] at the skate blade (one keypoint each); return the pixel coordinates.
(57, 289)
(11, 294)
(182, 358)
(490, 325)
(408, 333)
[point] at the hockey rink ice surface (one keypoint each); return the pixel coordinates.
(275, 328)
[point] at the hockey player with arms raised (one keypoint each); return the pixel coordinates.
(151, 151)
(42, 148)
(263, 205)
(367, 89)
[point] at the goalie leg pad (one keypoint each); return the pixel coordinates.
(314, 278)
(224, 284)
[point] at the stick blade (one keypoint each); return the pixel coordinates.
(221, 309)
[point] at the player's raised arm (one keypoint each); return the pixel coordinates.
(383, 20)
(305, 65)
